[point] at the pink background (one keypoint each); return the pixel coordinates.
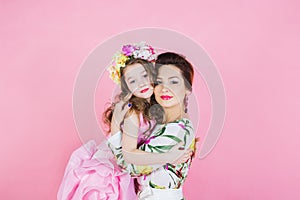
(254, 44)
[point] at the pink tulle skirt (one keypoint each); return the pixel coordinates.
(92, 174)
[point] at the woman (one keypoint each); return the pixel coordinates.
(173, 84)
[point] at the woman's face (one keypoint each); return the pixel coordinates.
(171, 89)
(138, 81)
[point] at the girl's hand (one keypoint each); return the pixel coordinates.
(119, 113)
(178, 154)
(184, 158)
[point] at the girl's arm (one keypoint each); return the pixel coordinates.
(139, 157)
(138, 162)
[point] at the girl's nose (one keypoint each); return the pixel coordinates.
(143, 82)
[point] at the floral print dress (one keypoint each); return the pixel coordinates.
(161, 140)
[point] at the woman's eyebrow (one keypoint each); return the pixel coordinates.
(168, 77)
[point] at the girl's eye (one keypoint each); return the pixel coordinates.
(174, 82)
(158, 82)
(131, 82)
(145, 75)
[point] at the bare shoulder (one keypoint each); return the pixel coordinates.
(132, 118)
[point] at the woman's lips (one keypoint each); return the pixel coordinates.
(166, 97)
(144, 90)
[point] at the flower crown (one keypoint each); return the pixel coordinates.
(141, 50)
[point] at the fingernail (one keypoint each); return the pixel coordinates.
(181, 148)
(129, 105)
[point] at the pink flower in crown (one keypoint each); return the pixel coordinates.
(128, 49)
(152, 50)
(141, 50)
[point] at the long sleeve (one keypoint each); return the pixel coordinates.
(169, 135)
(114, 143)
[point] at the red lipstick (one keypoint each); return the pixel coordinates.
(166, 97)
(144, 90)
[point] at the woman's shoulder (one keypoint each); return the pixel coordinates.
(182, 121)
(183, 125)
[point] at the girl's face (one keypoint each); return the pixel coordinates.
(138, 81)
(170, 90)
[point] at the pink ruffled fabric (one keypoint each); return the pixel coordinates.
(92, 174)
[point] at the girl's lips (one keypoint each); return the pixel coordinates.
(144, 90)
(166, 97)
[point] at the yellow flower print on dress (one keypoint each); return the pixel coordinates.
(144, 169)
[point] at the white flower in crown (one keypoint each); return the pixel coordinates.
(141, 50)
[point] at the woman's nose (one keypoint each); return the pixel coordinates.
(164, 88)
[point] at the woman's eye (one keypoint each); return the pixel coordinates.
(131, 82)
(158, 82)
(145, 75)
(174, 82)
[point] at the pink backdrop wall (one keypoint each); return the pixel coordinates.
(254, 44)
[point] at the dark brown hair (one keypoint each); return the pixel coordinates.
(179, 61)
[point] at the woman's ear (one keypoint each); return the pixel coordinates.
(188, 92)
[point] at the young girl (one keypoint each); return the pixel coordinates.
(173, 85)
(91, 171)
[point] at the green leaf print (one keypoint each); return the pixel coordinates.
(184, 139)
(164, 147)
(118, 148)
(119, 156)
(174, 182)
(156, 186)
(150, 147)
(157, 149)
(172, 137)
(143, 147)
(133, 169)
(187, 131)
(187, 125)
(160, 131)
(177, 173)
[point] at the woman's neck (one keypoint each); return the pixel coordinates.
(173, 113)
